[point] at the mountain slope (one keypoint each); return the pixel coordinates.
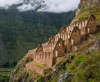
(86, 8)
(21, 31)
(81, 65)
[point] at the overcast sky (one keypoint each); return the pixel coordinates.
(56, 6)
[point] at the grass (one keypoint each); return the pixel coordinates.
(40, 65)
(85, 13)
(5, 74)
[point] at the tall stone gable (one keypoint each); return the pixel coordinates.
(39, 48)
(91, 25)
(75, 37)
(63, 30)
(51, 40)
(59, 49)
(81, 1)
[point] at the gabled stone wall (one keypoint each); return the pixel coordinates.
(46, 58)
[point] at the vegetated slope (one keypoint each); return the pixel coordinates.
(22, 31)
(86, 8)
(82, 65)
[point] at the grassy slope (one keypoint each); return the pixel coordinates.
(82, 65)
(86, 10)
(5, 74)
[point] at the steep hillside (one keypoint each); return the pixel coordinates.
(80, 65)
(87, 7)
(21, 31)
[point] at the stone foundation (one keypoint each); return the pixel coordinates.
(39, 68)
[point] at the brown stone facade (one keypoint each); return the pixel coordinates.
(46, 58)
(37, 68)
(59, 49)
(75, 37)
(91, 25)
(61, 43)
(39, 48)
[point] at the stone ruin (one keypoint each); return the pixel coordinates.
(45, 56)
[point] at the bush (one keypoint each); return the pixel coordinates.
(40, 79)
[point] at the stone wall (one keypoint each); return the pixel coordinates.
(91, 25)
(44, 58)
(35, 67)
(75, 37)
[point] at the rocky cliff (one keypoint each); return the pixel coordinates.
(81, 65)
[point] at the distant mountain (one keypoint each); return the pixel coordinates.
(25, 5)
(30, 5)
(22, 31)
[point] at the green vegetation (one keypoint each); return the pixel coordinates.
(82, 65)
(85, 68)
(86, 9)
(40, 65)
(85, 13)
(22, 31)
(89, 70)
(40, 79)
(5, 74)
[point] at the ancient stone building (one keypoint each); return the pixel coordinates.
(59, 49)
(75, 37)
(81, 1)
(39, 48)
(67, 45)
(46, 58)
(51, 40)
(91, 25)
(49, 53)
(83, 31)
(41, 69)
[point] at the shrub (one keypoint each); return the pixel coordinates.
(40, 79)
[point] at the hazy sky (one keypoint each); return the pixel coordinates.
(56, 6)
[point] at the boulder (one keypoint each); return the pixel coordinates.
(63, 77)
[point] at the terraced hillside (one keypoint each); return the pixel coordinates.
(86, 8)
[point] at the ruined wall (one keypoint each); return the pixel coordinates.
(40, 48)
(64, 40)
(44, 58)
(59, 49)
(91, 25)
(67, 45)
(33, 67)
(75, 37)
(51, 40)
